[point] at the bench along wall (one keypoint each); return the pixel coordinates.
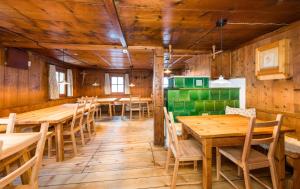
(27, 89)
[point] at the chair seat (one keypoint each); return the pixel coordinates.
(256, 159)
(189, 150)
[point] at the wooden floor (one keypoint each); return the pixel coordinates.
(122, 155)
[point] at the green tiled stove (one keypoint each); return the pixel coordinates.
(192, 96)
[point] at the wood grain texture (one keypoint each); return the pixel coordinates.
(25, 90)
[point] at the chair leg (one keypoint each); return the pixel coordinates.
(218, 164)
(89, 130)
(274, 175)
(82, 136)
(168, 159)
(49, 146)
(130, 116)
(239, 171)
(195, 165)
(174, 177)
(74, 143)
(247, 177)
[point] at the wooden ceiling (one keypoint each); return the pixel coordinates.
(95, 32)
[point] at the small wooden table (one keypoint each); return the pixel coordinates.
(107, 101)
(125, 101)
(55, 116)
(227, 130)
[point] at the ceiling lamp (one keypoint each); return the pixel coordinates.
(167, 71)
(221, 80)
(64, 82)
(125, 51)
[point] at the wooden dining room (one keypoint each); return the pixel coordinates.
(131, 94)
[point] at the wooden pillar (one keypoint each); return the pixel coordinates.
(158, 96)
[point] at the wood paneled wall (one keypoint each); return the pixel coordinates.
(141, 78)
(271, 96)
(199, 65)
(27, 89)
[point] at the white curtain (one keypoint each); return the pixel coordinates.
(53, 85)
(107, 90)
(127, 88)
(70, 81)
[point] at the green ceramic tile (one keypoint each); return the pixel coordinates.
(199, 105)
(203, 94)
(171, 106)
(194, 95)
(205, 83)
(234, 94)
(214, 94)
(237, 103)
(178, 106)
(198, 83)
(179, 82)
(229, 103)
(171, 83)
(224, 94)
(184, 95)
(189, 105)
(193, 113)
(219, 105)
(189, 82)
(209, 105)
(173, 95)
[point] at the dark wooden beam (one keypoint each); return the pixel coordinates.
(112, 11)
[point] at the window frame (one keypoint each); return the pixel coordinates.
(62, 70)
(111, 84)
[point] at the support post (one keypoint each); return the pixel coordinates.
(158, 96)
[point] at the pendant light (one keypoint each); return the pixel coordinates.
(131, 83)
(220, 23)
(167, 71)
(64, 82)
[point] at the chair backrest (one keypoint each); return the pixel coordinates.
(135, 101)
(249, 140)
(9, 122)
(173, 135)
(92, 108)
(34, 162)
(78, 115)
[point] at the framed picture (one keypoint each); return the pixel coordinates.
(272, 61)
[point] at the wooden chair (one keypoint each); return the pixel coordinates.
(182, 150)
(89, 118)
(249, 159)
(34, 163)
(135, 105)
(76, 126)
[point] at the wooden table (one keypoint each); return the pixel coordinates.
(227, 130)
(125, 101)
(55, 116)
(107, 101)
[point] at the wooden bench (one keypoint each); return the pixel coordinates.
(292, 152)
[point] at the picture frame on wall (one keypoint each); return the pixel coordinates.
(272, 60)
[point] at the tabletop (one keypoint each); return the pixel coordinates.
(146, 99)
(54, 114)
(106, 100)
(214, 126)
(15, 142)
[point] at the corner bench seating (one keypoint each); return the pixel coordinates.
(292, 147)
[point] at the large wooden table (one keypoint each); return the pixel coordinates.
(56, 116)
(226, 130)
(125, 101)
(107, 101)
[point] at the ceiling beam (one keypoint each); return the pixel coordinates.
(112, 11)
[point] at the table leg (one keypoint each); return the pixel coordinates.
(25, 177)
(206, 167)
(59, 142)
(148, 109)
(280, 161)
(110, 111)
(123, 107)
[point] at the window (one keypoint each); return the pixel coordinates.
(61, 77)
(117, 84)
(166, 82)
